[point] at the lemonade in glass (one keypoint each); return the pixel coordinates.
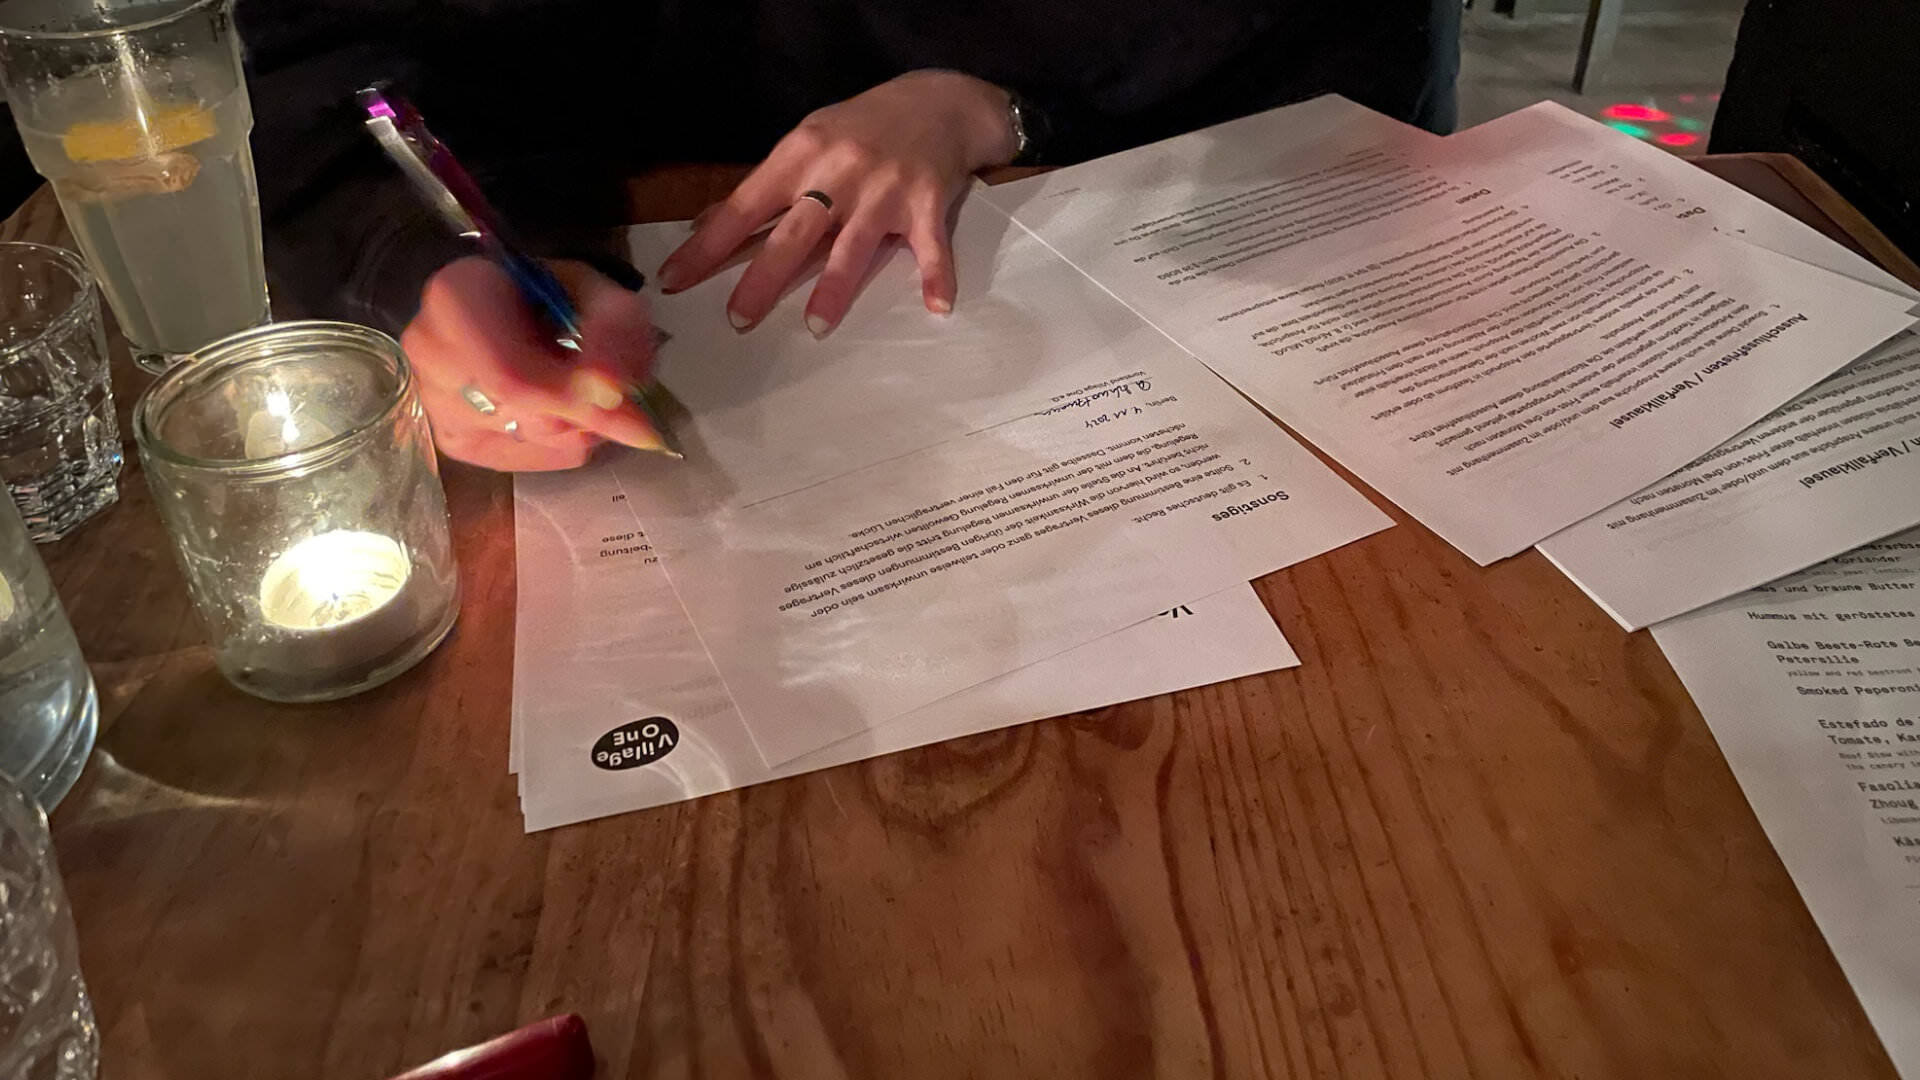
(138, 116)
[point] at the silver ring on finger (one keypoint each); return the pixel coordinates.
(821, 197)
(481, 403)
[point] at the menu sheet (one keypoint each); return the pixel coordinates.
(1812, 688)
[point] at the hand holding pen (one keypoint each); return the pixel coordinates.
(502, 395)
(522, 366)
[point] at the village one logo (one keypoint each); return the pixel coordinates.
(636, 743)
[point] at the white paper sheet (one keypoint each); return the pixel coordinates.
(1812, 688)
(602, 644)
(1498, 351)
(916, 504)
(1583, 152)
(1835, 468)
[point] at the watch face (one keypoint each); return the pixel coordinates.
(1016, 118)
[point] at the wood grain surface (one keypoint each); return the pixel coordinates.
(1481, 832)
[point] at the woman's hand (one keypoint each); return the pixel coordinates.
(502, 393)
(892, 160)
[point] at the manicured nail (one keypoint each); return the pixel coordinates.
(739, 321)
(672, 277)
(940, 305)
(596, 388)
(817, 325)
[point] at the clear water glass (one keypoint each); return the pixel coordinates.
(137, 114)
(48, 709)
(296, 474)
(47, 1030)
(59, 441)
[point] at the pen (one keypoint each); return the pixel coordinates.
(447, 187)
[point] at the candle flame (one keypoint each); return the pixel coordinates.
(332, 579)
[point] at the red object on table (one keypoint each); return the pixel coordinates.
(552, 1049)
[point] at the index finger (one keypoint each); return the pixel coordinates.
(766, 191)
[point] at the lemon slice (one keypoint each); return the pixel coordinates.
(168, 128)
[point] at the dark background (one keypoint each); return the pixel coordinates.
(1838, 85)
(1835, 83)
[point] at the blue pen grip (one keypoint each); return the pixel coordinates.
(543, 291)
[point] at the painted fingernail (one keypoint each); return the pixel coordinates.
(596, 388)
(739, 321)
(817, 326)
(940, 305)
(672, 277)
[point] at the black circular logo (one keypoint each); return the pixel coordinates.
(636, 743)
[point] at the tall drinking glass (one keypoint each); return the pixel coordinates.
(49, 711)
(137, 114)
(47, 1029)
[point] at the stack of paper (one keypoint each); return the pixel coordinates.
(1811, 684)
(1824, 473)
(923, 527)
(916, 528)
(625, 711)
(1498, 350)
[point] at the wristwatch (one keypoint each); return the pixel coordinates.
(1029, 128)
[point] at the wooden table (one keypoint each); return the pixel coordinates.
(1479, 832)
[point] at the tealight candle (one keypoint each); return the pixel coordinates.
(295, 471)
(328, 581)
(335, 601)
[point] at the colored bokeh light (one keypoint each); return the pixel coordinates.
(1647, 121)
(1629, 111)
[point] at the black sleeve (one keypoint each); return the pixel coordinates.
(1107, 75)
(346, 237)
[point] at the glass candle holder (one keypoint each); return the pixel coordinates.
(294, 468)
